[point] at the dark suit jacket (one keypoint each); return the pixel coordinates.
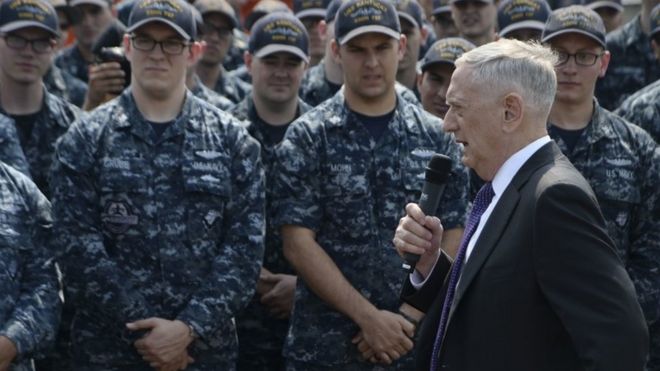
(542, 289)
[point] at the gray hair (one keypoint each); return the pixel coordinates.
(526, 68)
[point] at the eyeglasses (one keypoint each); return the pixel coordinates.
(585, 59)
(223, 32)
(147, 44)
(40, 46)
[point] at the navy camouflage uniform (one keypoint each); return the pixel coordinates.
(621, 162)
(633, 65)
(35, 156)
(351, 191)
(643, 109)
(65, 86)
(71, 60)
(232, 87)
(30, 305)
(209, 96)
(261, 336)
(170, 227)
(315, 88)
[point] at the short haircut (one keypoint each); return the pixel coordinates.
(525, 68)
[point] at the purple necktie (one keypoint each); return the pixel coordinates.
(481, 202)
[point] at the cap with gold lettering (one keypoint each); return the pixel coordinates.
(357, 17)
(18, 14)
(174, 13)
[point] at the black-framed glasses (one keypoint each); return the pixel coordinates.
(585, 59)
(223, 32)
(168, 46)
(43, 45)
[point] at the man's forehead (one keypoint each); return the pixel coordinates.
(159, 29)
(370, 38)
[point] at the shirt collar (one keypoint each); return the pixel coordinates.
(511, 166)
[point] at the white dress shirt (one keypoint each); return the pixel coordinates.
(500, 182)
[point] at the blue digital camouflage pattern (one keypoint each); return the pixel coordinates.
(210, 97)
(335, 180)
(633, 65)
(35, 158)
(261, 336)
(643, 109)
(315, 88)
(231, 87)
(622, 164)
(170, 227)
(30, 305)
(71, 60)
(65, 86)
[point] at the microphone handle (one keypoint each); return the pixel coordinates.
(428, 202)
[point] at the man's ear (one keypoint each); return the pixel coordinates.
(403, 41)
(196, 50)
(604, 62)
(127, 47)
(247, 59)
(513, 112)
(334, 48)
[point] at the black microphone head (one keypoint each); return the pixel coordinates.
(438, 169)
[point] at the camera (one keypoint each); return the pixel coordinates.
(107, 48)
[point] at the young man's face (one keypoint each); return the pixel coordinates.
(92, 20)
(432, 86)
(276, 77)
(443, 25)
(161, 70)
(369, 63)
(576, 78)
(415, 37)
(474, 18)
(218, 35)
(26, 54)
(612, 18)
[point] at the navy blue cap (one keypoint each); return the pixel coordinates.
(411, 11)
(357, 17)
(440, 6)
(466, 1)
(262, 8)
(522, 14)
(310, 8)
(446, 50)
(655, 20)
(217, 6)
(19, 14)
(575, 19)
(174, 13)
(100, 3)
(279, 32)
(596, 4)
(331, 11)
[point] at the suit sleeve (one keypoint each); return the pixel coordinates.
(423, 298)
(584, 281)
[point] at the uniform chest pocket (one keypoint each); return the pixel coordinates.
(208, 196)
(618, 196)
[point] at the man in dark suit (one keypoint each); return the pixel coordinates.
(536, 284)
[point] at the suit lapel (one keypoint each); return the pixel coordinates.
(499, 220)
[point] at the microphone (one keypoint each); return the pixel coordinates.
(435, 179)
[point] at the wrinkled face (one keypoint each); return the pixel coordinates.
(474, 18)
(316, 34)
(473, 117)
(369, 63)
(575, 81)
(414, 42)
(92, 21)
(157, 72)
(525, 34)
(612, 18)
(276, 77)
(19, 61)
(432, 87)
(444, 26)
(218, 33)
